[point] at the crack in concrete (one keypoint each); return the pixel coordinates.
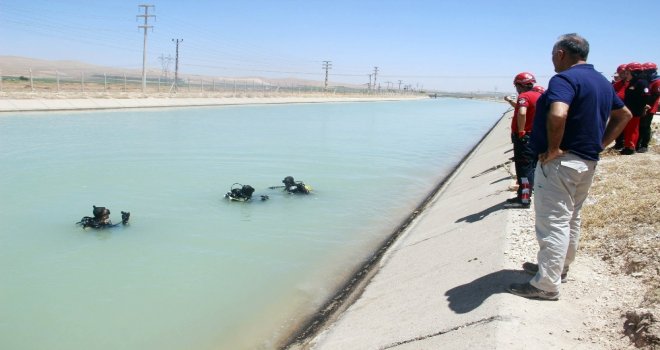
(422, 337)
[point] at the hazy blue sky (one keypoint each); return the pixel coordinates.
(447, 45)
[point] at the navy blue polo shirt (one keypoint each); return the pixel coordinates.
(590, 97)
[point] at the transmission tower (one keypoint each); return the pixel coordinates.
(165, 64)
(326, 65)
(144, 48)
(375, 74)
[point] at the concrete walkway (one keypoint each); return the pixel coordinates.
(442, 284)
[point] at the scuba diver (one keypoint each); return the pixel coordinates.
(101, 218)
(292, 186)
(241, 193)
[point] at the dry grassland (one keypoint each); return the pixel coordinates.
(621, 225)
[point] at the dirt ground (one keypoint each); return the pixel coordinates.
(605, 304)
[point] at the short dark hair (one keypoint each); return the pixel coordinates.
(574, 44)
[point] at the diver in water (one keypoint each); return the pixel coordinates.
(101, 218)
(292, 186)
(241, 193)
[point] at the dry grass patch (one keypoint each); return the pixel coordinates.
(621, 224)
(622, 221)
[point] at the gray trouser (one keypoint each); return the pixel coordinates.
(561, 187)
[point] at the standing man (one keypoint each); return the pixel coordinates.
(521, 130)
(578, 114)
(651, 75)
(635, 99)
(621, 81)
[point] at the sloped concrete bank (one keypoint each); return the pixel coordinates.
(430, 284)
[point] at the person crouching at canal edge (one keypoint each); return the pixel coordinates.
(521, 129)
(575, 118)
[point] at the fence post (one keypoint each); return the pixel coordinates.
(31, 82)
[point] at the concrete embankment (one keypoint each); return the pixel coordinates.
(440, 285)
(68, 104)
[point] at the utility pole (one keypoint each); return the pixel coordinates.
(176, 63)
(369, 86)
(375, 73)
(144, 48)
(326, 65)
(400, 81)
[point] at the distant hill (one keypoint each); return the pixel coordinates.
(15, 65)
(20, 66)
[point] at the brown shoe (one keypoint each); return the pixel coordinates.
(528, 291)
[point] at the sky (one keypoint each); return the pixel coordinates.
(477, 45)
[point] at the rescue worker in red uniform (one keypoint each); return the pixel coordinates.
(621, 80)
(620, 84)
(651, 75)
(635, 99)
(538, 88)
(521, 129)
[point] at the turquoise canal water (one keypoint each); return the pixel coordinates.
(192, 270)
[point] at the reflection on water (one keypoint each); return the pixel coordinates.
(193, 270)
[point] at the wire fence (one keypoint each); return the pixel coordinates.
(45, 83)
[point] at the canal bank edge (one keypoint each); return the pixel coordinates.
(428, 278)
(81, 104)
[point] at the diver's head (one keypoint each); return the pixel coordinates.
(100, 212)
(125, 215)
(247, 191)
(288, 181)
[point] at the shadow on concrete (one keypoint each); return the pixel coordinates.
(469, 296)
(482, 214)
(493, 168)
(500, 180)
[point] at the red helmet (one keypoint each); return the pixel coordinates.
(621, 68)
(538, 88)
(634, 66)
(649, 66)
(524, 78)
